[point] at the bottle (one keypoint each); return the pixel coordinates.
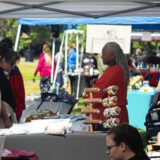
(145, 83)
(91, 71)
(145, 86)
(57, 88)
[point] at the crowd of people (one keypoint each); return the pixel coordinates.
(120, 140)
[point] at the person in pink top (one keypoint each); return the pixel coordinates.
(44, 67)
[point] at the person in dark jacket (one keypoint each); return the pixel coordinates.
(124, 143)
(5, 86)
(15, 76)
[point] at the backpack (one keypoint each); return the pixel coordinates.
(153, 122)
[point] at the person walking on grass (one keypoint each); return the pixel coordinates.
(44, 67)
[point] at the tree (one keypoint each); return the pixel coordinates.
(8, 28)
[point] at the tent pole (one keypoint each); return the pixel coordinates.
(77, 51)
(53, 54)
(65, 69)
(79, 73)
(58, 61)
(17, 37)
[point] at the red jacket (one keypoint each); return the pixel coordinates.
(17, 85)
(112, 76)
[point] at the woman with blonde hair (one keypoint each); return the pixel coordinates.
(44, 67)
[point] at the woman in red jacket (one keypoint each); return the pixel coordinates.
(116, 74)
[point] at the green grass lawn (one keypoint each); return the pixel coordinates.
(27, 69)
(27, 72)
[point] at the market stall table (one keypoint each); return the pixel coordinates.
(84, 82)
(75, 146)
(56, 107)
(138, 105)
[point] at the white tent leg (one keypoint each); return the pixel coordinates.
(65, 69)
(58, 61)
(17, 37)
(53, 54)
(79, 74)
(77, 51)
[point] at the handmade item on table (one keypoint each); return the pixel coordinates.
(111, 112)
(112, 122)
(40, 114)
(111, 90)
(110, 101)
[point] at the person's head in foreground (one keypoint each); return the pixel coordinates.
(124, 143)
(112, 54)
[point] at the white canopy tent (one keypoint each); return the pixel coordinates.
(62, 9)
(75, 9)
(138, 36)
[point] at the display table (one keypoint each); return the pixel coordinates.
(84, 83)
(75, 146)
(138, 105)
(57, 107)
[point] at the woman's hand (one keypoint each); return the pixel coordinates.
(7, 123)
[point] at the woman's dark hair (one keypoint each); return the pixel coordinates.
(11, 57)
(120, 58)
(8, 42)
(3, 49)
(130, 136)
(129, 61)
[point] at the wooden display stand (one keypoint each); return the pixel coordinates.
(108, 102)
(91, 111)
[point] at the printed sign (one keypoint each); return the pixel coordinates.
(99, 35)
